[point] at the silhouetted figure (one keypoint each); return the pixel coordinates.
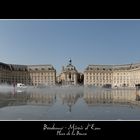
(14, 85)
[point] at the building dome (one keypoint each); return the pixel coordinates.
(69, 74)
(69, 67)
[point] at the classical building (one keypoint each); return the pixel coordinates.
(69, 75)
(27, 74)
(5, 73)
(127, 75)
(42, 74)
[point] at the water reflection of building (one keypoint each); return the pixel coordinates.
(70, 99)
(92, 97)
(28, 75)
(27, 99)
(37, 98)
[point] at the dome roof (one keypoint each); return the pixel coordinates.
(69, 67)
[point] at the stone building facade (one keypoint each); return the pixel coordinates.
(27, 74)
(69, 75)
(127, 75)
(42, 74)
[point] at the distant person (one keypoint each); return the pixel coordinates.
(14, 87)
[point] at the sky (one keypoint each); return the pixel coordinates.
(55, 41)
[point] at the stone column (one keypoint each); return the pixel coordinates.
(65, 79)
(75, 80)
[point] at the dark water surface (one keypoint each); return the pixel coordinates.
(70, 103)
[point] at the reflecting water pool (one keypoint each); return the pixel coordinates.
(70, 103)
